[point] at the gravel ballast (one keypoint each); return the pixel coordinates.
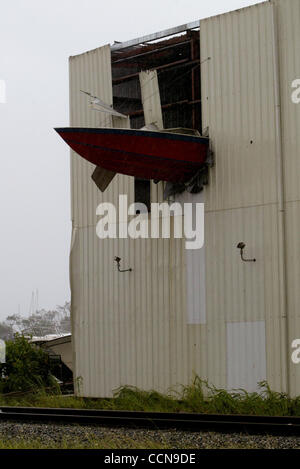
(54, 434)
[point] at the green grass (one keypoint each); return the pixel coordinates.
(199, 396)
(118, 442)
(92, 443)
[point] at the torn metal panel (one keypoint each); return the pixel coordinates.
(182, 130)
(120, 122)
(98, 105)
(151, 98)
(102, 177)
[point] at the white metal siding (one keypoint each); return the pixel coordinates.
(195, 269)
(238, 106)
(85, 70)
(246, 355)
(288, 18)
(241, 198)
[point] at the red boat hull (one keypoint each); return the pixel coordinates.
(144, 154)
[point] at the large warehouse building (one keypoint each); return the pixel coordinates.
(206, 312)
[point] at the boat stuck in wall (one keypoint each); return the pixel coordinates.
(158, 155)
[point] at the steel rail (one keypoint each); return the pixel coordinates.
(156, 420)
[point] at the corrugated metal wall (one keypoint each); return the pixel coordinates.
(139, 328)
(246, 351)
(89, 72)
(288, 18)
(127, 328)
(241, 199)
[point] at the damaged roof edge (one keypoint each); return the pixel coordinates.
(156, 36)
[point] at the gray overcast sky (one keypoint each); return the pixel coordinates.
(36, 39)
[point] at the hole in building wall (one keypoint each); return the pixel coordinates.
(177, 61)
(142, 193)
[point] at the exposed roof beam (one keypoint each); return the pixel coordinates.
(151, 51)
(156, 36)
(173, 65)
(184, 102)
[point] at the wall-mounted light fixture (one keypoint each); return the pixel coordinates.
(241, 246)
(118, 260)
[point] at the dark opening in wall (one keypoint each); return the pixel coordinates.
(177, 61)
(142, 193)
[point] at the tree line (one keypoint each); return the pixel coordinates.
(42, 322)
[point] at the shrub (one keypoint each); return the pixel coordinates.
(26, 367)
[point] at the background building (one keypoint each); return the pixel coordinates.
(206, 312)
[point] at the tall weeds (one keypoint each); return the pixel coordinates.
(199, 396)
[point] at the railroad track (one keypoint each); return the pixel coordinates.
(156, 420)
